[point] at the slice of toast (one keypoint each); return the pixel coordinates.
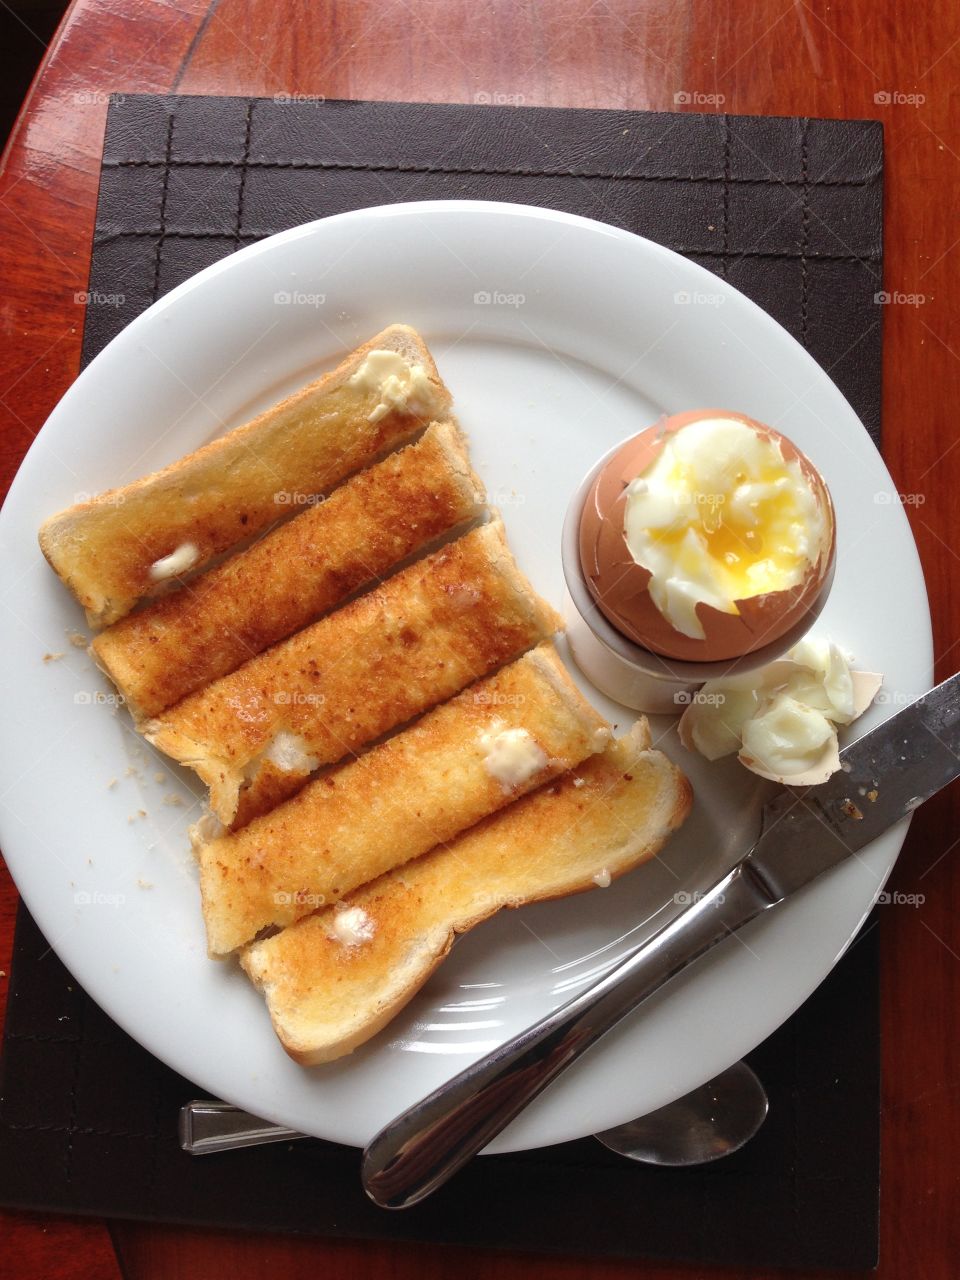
(295, 574)
(461, 762)
(254, 736)
(336, 978)
(140, 540)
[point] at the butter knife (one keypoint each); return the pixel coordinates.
(884, 776)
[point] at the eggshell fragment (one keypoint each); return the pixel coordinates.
(715, 721)
(866, 685)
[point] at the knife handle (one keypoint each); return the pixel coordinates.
(418, 1151)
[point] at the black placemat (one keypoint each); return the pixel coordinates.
(787, 210)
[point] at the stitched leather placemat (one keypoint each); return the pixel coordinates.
(787, 210)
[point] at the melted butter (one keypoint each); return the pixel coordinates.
(512, 756)
(396, 385)
(290, 752)
(176, 563)
(721, 516)
(351, 926)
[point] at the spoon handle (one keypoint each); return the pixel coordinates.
(207, 1126)
(418, 1151)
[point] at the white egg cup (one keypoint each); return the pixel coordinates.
(626, 671)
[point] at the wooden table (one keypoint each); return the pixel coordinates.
(864, 58)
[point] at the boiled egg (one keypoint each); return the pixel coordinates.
(707, 536)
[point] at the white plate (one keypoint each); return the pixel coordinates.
(582, 341)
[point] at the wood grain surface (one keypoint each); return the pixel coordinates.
(865, 58)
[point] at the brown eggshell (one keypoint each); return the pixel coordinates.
(619, 584)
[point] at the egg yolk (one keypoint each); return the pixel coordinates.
(719, 516)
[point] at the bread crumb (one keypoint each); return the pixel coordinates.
(52, 657)
(173, 800)
(579, 782)
(159, 777)
(111, 784)
(144, 884)
(77, 639)
(142, 813)
(131, 772)
(602, 879)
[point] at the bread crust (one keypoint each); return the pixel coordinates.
(294, 575)
(610, 814)
(227, 491)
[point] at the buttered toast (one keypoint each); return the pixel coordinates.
(318, 615)
(419, 637)
(337, 977)
(459, 763)
(139, 540)
(301, 570)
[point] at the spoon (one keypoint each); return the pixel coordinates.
(708, 1123)
(704, 1125)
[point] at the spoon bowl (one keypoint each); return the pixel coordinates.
(705, 1125)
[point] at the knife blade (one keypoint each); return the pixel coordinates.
(885, 775)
